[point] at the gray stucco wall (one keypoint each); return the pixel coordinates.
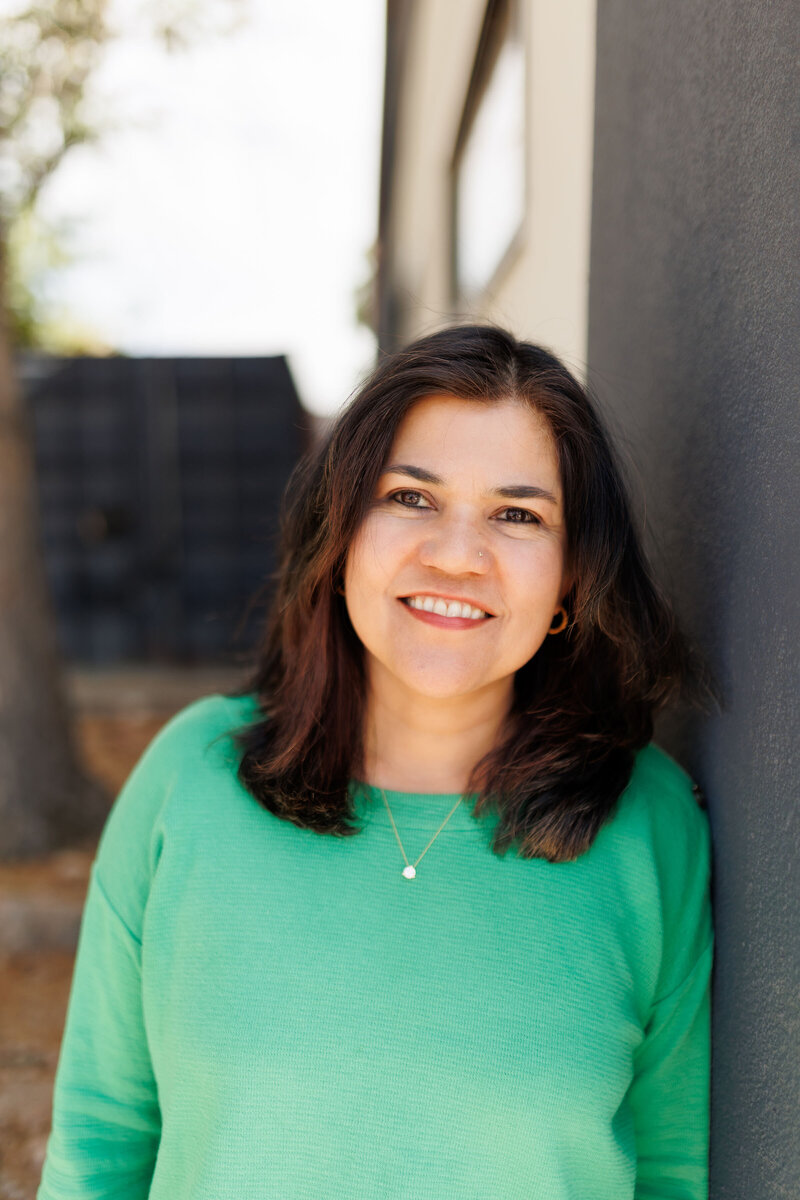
(693, 347)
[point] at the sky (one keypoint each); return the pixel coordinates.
(230, 205)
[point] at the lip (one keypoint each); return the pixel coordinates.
(451, 623)
(448, 596)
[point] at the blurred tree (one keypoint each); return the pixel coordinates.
(36, 251)
(33, 253)
(48, 51)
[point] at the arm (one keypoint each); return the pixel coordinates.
(106, 1120)
(669, 1095)
(106, 1113)
(106, 1116)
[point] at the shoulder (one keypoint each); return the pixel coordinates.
(200, 725)
(195, 741)
(660, 818)
(193, 738)
(661, 806)
(659, 845)
(656, 770)
(660, 833)
(663, 797)
(191, 749)
(667, 792)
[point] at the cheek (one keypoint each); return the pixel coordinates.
(375, 554)
(365, 581)
(361, 565)
(537, 575)
(356, 593)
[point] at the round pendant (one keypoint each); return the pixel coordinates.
(409, 872)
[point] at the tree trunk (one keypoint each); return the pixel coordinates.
(45, 799)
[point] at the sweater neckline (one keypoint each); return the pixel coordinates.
(413, 810)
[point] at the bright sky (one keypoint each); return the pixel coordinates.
(231, 207)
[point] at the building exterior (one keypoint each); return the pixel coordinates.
(619, 183)
(159, 486)
(487, 168)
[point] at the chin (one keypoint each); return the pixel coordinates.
(441, 690)
(440, 684)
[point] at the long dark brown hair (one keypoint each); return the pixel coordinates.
(582, 706)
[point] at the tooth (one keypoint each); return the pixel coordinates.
(454, 608)
(478, 613)
(415, 602)
(440, 607)
(428, 603)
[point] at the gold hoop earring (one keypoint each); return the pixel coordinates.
(563, 622)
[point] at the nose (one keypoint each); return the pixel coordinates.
(455, 547)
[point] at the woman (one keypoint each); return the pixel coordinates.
(309, 966)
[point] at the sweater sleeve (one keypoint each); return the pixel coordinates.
(669, 1095)
(670, 1092)
(106, 1118)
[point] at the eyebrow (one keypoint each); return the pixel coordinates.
(515, 491)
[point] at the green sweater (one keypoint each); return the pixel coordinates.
(260, 1011)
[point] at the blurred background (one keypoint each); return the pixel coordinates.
(214, 214)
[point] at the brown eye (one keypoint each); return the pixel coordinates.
(521, 516)
(409, 498)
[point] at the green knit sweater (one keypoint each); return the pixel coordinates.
(260, 1011)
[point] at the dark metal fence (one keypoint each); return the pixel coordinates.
(159, 486)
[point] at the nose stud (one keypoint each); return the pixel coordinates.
(480, 554)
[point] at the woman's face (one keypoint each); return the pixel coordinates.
(468, 509)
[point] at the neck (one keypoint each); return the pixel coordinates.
(416, 743)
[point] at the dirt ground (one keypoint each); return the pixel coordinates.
(40, 906)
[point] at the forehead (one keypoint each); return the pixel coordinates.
(501, 435)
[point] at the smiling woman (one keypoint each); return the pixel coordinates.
(309, 965)
(427, 553)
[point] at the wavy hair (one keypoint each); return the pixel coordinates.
(582, 705)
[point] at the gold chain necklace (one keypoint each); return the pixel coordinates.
(410, 869)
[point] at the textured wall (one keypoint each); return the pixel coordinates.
(693, 345)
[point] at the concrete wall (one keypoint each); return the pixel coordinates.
(541, 290)
(693, 343)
